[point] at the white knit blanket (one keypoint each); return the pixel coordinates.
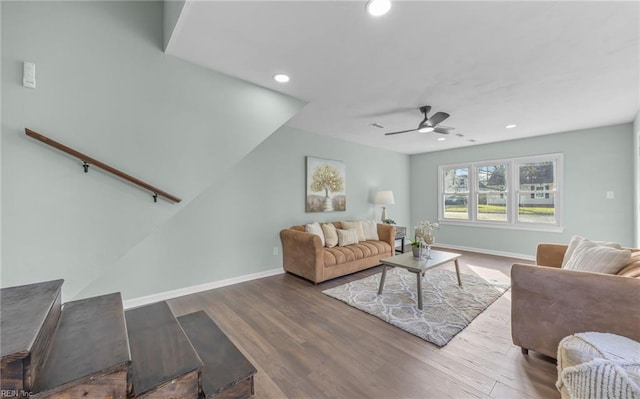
(612, 371)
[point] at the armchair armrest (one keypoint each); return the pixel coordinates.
(302, 254)
(387, 233)
(550, 254)
(549, 304)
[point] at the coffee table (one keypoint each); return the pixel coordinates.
(419, 267)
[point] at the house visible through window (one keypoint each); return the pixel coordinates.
(511, 193)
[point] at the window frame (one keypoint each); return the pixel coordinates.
(466, 194)
(476, 197)
(512, 193)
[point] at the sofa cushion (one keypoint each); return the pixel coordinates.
(377, 247)
(577, 240)
(314, 228)
(347, 237)
(340, 255)
(357, 226)
(632, 268)
(330, 235)
(591, 257)
(370, 228)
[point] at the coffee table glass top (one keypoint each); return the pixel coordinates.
(410, 263)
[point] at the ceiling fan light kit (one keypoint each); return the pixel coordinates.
(429, 123)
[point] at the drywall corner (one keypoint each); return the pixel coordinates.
(172, 11)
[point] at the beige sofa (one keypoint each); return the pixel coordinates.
(549, 303)
(304, 255)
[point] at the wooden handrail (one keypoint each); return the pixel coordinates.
(87, 160)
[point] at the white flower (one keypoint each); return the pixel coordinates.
(427, 225)
(424, 227)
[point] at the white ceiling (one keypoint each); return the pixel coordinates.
(546, 66)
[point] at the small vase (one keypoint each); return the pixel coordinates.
(416, 252)
(429, 238)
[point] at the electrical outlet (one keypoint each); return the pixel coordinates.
(275, 251)
(610, 195)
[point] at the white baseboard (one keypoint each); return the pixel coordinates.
(163, 296)
(487, 251)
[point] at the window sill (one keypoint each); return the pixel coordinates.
(504, 226)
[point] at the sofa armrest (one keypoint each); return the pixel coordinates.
(548, 304)
(550, 255)
(302, 254)
(387, 233)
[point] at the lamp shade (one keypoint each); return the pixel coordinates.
(385, 198)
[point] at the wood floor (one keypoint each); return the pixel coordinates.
(305, 344)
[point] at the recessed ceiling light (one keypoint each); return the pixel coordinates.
(378, 8)
(281, 78)
(426, 129)
(510, 126)
(441, 138)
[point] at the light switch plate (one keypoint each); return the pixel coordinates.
(29, 74)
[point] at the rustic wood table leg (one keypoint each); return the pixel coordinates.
(419, 276)
(458, 272)
(384, 274)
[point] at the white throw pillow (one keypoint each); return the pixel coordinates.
(314, 228)
(591, 257)
(347, 237)
(330, 235)
(577, 240)
(357, 226)
(370, 228)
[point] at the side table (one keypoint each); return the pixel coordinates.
(401, 234)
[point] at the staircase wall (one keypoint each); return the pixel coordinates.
(231, 229)
(105, 88)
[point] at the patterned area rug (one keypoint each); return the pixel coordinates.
(447, 308)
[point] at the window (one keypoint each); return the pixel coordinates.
(491, 187)
(521, 193)
(456, 193)
(539, 209)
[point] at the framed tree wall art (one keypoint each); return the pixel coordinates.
(326, 185)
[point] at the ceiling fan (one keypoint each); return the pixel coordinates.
(428, 124)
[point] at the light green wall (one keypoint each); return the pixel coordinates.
(595, 161)
(232, 228)
(172, 11)
(636, 179)
(105, 87)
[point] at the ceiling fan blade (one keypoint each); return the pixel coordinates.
(437, 118)
(402, 131)
(439, 129)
